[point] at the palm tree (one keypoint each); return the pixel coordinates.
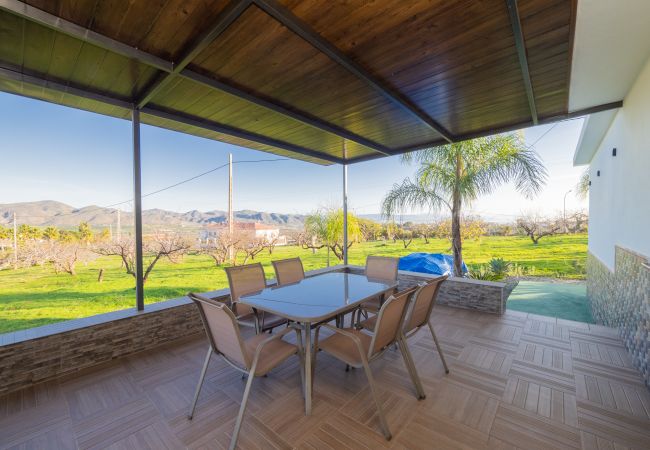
(452, 175)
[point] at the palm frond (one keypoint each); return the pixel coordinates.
(501, 159)
(410, 195)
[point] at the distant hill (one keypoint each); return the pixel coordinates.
(49, 212)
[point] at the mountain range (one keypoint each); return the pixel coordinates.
(50, 212)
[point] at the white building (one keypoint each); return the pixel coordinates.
(611, 62)
(257, 230)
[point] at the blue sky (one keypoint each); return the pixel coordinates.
(57, 153)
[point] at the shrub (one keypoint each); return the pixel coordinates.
(483, 272)
(500, 267)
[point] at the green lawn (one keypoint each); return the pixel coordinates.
(36, 296)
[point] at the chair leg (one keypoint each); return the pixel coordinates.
(198, 386)
(380, 411)
(410, 366)
(242, 409)
(442, 356)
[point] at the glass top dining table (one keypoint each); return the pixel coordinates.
(316, 299)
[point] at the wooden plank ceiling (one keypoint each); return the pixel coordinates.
(297, 77)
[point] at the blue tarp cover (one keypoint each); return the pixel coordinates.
(433, 263)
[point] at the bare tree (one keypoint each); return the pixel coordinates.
(578, 221)
(424, 230)
(309, 241)
(65, 256)
(170, 246)
(252, 247)
(537, 227)
(271, 242)
(218, 247)
(406, 236)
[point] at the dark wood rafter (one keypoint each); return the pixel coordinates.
(14, 74)
(60, 86)
(199, 122)
(285, 110)
(170, 69)
(491, 131)
(53, 22)
(289, 20)
(520, 45)
(304, 75)
(227, 16)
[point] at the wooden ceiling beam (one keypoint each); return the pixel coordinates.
(520, 45)
(232, 11)
(518, 126)
(28, 12)
(289, 20)
(200, 122)
(39, 80)
(285, 110)
(15, 74)
(48, 20)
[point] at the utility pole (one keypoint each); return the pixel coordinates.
(15, 242)
(345, 206)
(566, 228)
(231, 228)
(119, 227)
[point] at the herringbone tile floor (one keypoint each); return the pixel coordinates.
(516, 381)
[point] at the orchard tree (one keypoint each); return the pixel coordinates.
(85, 233)
(168, 246)
(51, 233)
(324, 228)
(28, 232)
(536, 227)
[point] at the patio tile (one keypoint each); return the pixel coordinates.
(446, 433)
(543, 392)
(531, 431)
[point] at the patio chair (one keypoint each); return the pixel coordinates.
(255, 356)
(382, 268)
(357, 349)
(419, 313)
(244, 280)
(288, 271)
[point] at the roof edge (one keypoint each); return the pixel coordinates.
(594, 130)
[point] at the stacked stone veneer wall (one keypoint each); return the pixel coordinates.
(484, 296)
(33, 360)
(621, 299)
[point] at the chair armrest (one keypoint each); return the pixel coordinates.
(347, 334)
(273, 337)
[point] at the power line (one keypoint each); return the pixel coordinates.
(187, 180)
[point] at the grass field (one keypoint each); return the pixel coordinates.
(36, 296)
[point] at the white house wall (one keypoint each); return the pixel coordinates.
(619, 203)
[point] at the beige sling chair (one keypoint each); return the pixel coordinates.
(419, 313)
(255, 356)
(244, 280)
(382, 268)
(357, 349)
(288, 271)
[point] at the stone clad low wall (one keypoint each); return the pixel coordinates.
(485, 296)
(71, 346)
(621, 299)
